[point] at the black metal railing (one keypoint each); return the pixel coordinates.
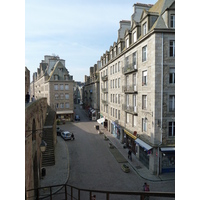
(128, 68)
(128, 108)
(69, 192)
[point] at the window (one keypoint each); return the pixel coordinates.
(55, 77)
(57, 105)
(66, 96)
(172, 75)
(66, 77)
(144, 77)
(113, 83)
(56, 87)
(56, 96)
(115, 113)
(62, 105)
(172, 48)
(134, 37)
(111, 111)
(127, 118)
(118, 114)
(134, 60)
(118, 82)
(111, 97)
(172, 103)
(171, 129)
(144, 101)
(61, 96)
(115, 98)
(144, 53)
(119, 66)
(110, 70)
(172, 21)
(115, 67)
(118, 98)
(127, 42)
(110, 83)
(144, 124)
(144, 28)
(66, 87)
(61, 87)
(127, 100)
(119, 49)
(66, 105)
(134, 81)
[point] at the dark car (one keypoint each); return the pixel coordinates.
(77, 118)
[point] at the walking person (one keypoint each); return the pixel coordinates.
(146, 189)
(27, 97)
(33, 98)
(129, 155)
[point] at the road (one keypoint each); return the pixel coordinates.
(93, 166)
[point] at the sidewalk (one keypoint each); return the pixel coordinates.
(59, 173)
(138, 167)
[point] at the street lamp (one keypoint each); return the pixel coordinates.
(43, 146)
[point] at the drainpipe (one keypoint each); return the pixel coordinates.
(161, 110)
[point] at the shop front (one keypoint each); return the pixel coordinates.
(144, 151)
(129, 140)
(168, 159)
(65, 115)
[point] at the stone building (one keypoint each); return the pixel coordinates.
(91, 92)
(27, 80)
(38, 126)
(53, 81)
(137, 85)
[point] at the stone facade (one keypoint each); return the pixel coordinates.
(91, 92)
(54, 82)
(137, 85)
(27, 80)
(35, 114)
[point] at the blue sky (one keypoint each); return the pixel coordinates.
(78, 31)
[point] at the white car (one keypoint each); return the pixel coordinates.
(66, 135)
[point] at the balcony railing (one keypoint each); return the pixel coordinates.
(104, 78)
(131, 109)
(104, 102)
(65, 191)
(129, 88)
(104, 89)
(129, 68)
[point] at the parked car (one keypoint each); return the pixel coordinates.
(66, 135)
(77, 118)
(59, 131)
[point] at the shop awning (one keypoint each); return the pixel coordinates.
(129, 134)
(64, 112)
(143, 144)
(101, 120)
(93, 111)
(168, 149)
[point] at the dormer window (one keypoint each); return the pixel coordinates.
(172, 21)
(66, 77)
(127, 42)
(134, 37)
(119, 49)
(55, 77)
(144, 28)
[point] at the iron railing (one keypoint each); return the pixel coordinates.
(69, 192)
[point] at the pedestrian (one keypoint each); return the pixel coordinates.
(27, 97)
(146, 188)
(72, 136)
(129, 155)
(33, 98)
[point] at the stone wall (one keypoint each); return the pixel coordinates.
(35, 114)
